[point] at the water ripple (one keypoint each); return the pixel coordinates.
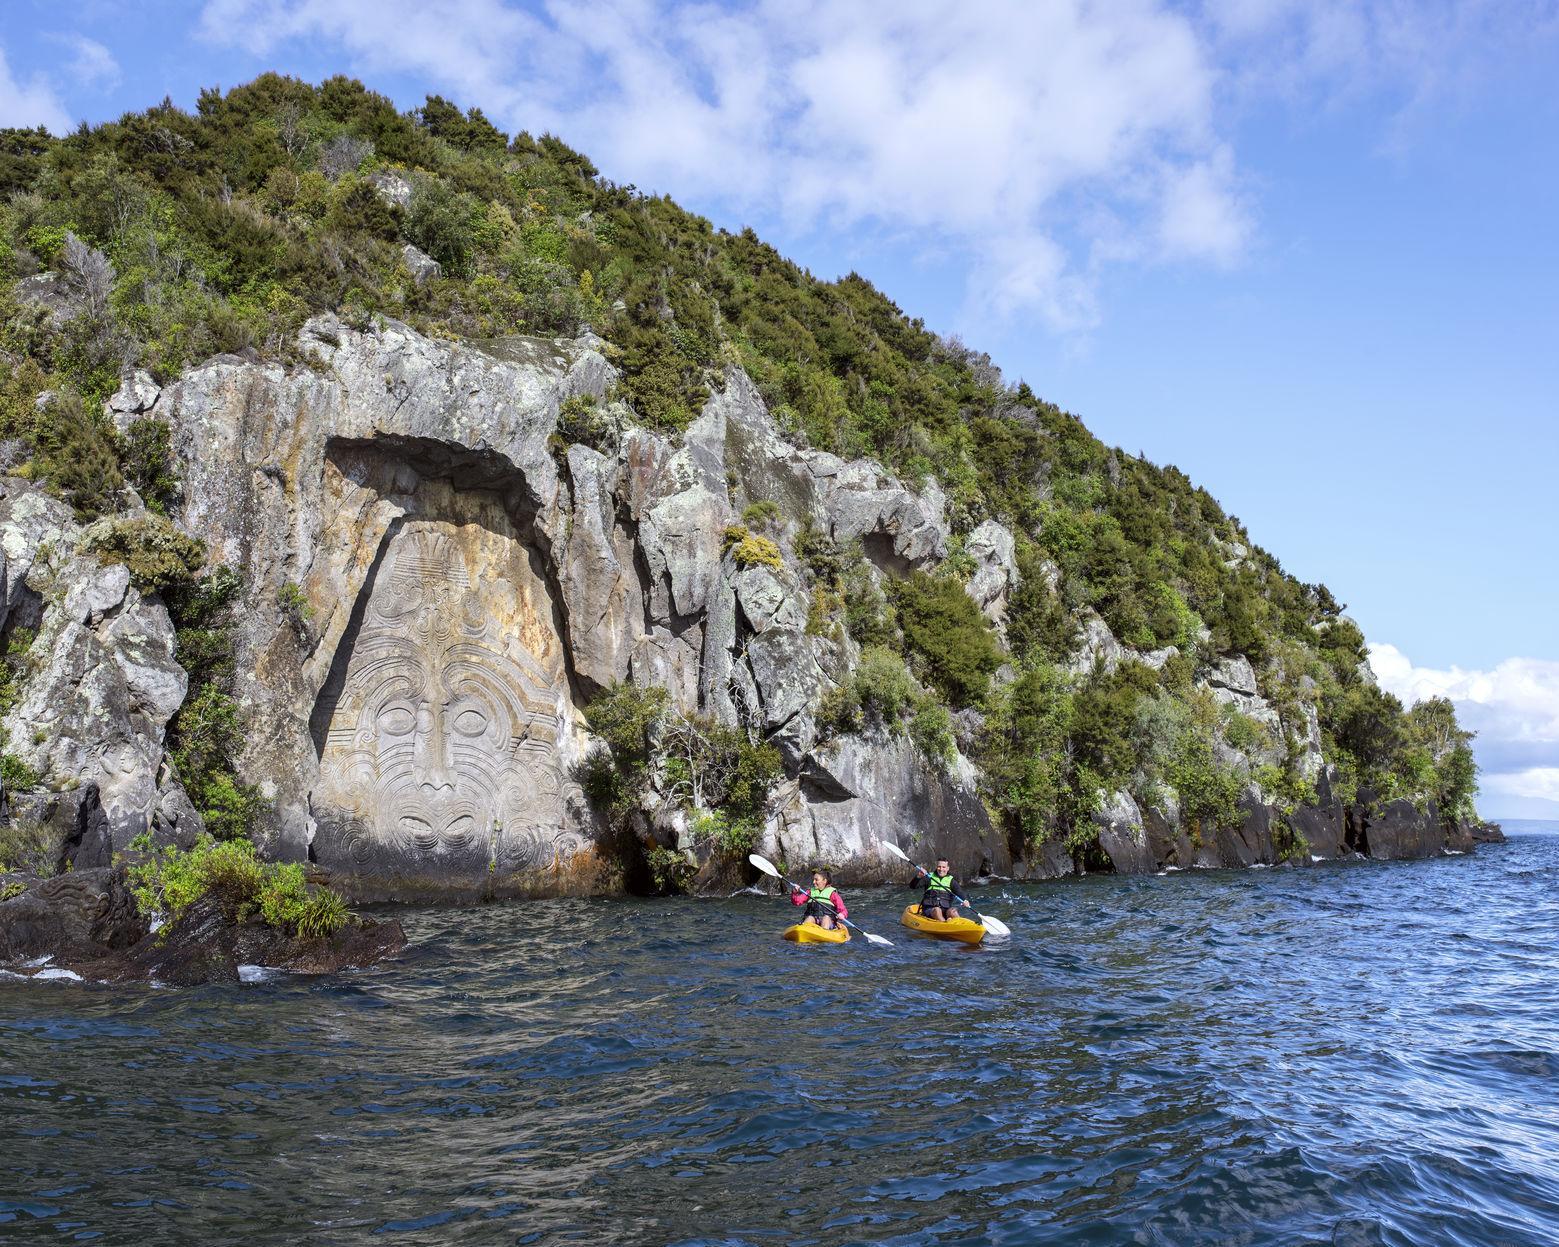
(1361, 1055)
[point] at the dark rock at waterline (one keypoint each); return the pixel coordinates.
(77, 916)
(207, 946)
(1401, 830)
(1486, 833)
(87, 921)
(1048, 861)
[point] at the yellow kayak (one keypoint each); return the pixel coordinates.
(811, 933)
(963, 930)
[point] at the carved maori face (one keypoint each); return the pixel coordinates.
(443, 737)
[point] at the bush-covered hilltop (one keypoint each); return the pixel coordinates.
(1117, 664)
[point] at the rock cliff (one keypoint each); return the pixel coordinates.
(433, 587)
(433, 510)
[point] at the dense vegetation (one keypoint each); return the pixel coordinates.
(174, 235)
(168, 882)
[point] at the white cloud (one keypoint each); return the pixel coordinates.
(1514, 708)
(1033, 143)
(91, 64)
(32, 103)
(1411, 53)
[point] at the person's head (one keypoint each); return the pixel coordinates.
(821, 878)
(943, 866)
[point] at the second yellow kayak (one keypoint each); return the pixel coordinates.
(963, 930)
(811, 933)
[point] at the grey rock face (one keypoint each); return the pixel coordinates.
(405, 488)
(859, 793)
(1122, 835)
(72, 918)
(137, 394)
(899, 529)
(1096, 646)
(604, 605)
(101, 681)
(423, 267)
(51, 294)
(996, 568)
(393, 189)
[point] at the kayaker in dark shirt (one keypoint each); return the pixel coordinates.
(824, 904)
(939, 900)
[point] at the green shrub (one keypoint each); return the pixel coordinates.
(730, 837)
(748, 549)
(14, 650)
(442, 221)
(1024, 754)
(74, 455)
(626, 717)
(931, 728)
(761, 514)
(169, 882)
(158, 555)
(579, 421)
(17, 776)
(948, 635)
(29, 848)
(204, 739)
(294, 604)
(669, 869)
(147, 455)
(10, 891)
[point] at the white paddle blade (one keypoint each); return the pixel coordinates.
(994, 925)
(876, 939)
(764, 864)
(896, 851)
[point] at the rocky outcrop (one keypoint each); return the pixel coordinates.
(100, 681)
(422, 267)
(466, 584)
(1122, 836)
(995, 574)
(85, 923)
(856, 793)
(435, 583)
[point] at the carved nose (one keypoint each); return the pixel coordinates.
(436, 772)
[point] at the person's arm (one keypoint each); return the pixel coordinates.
(797, 896)
(919, 880)
(839, 905)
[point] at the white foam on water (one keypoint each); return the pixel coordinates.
(1454, 852)
(1316, 858)
(256, 974)
(58, 972)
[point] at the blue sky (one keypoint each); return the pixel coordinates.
(1305, 251)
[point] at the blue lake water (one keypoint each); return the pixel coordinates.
(1351, 1054)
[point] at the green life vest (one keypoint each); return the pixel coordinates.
(939, 883)
(821, 894)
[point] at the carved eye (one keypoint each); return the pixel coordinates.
(397, 720)
(470, 723)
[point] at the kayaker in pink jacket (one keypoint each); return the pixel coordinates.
(825, 906)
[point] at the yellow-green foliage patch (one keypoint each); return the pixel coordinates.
(749, 549)
(169, 882)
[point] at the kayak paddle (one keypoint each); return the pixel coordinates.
(768, 868)
(994, 925)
